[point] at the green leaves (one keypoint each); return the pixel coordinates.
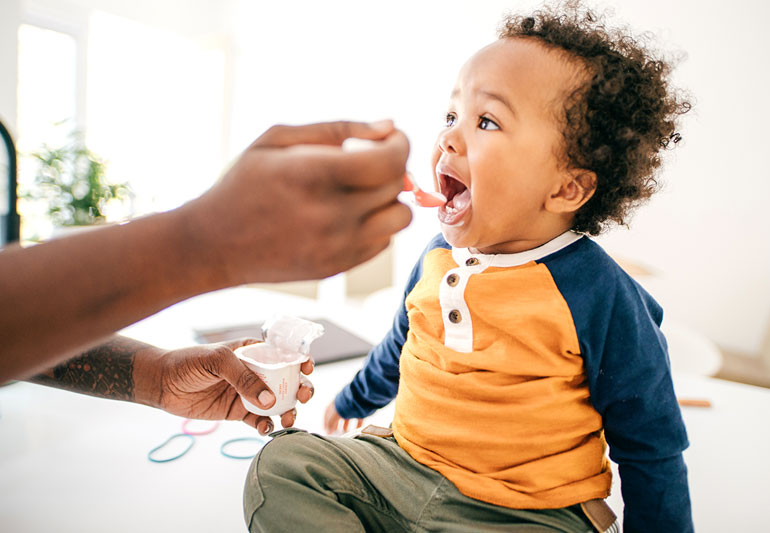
(72, 180)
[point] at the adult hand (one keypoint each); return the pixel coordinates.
(295, 205)
(204, 382)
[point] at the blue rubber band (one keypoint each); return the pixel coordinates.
(174, 458)
(241, 439)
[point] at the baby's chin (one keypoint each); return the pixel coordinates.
(454, 236)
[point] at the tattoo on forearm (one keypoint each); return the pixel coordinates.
(105, 371)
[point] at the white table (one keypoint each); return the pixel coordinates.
(71, 463)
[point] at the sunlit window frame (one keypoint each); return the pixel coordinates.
(74, 22)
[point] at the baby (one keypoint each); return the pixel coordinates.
(521, 349)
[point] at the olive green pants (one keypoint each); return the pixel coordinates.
(301, 482)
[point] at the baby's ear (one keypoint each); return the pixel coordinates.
(577, 187)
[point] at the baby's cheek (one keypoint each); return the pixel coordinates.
(435, 156)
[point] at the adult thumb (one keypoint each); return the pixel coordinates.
(242, 378)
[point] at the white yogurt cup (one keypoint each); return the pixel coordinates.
(277, 361)
(282, 377)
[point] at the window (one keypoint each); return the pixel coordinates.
(46, 109)
(149, 101)
(155, 110)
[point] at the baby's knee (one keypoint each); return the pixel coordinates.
(286, 452)
(279, 463)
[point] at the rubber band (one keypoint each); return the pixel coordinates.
(194, 433)
(241, 439)
(175, 457)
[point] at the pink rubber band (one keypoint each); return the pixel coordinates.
(194, 433)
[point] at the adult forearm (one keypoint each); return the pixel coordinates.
(294, 206)
(105, 371)
(64, 296)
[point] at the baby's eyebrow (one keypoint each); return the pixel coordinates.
(456, 93)
(500, 98)
(487, 94)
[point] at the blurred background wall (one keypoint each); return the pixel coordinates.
(170, 92)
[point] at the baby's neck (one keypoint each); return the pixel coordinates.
(514, 247)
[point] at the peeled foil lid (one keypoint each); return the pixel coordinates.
(291, 334)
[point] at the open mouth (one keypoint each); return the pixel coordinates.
(458, 198)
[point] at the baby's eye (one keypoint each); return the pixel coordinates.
(487, 124)
(450, 119)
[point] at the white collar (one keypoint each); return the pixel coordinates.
(461, 255)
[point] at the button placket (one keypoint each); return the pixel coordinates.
(458, 324)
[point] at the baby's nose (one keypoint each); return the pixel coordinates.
(449, 141)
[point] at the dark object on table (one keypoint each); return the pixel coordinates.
(336, 344)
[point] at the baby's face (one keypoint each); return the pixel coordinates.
(498, 158)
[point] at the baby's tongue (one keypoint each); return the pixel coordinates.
(460, 201)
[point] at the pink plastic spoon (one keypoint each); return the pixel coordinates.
(423, 198)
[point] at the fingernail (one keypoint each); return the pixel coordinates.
(312, 391)
(266, 398)
(382, 125)
(267, 427)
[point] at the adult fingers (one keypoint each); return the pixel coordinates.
(251, 419)
(306, 389)
(363, 200)
(308, 366)
(385, 220)
(332, 133)
(237, 343)
(372, 235)
(243, 380)
(263, 424)
(288, 418)
(383, 162)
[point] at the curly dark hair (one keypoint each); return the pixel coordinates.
(618, 119)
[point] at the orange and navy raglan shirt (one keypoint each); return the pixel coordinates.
(511, 372)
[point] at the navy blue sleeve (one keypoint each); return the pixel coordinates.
(629, 378)
(632, 389)
(376, 384)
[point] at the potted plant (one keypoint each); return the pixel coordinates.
(70, 180)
